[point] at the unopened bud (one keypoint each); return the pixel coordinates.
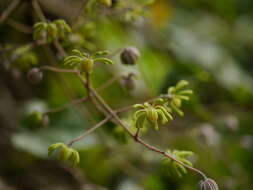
(152, 114)
(45, 120)
(35, 118)
(208, 184)
(129, 55)
(87, 65)
(128, 81)
(35, 75)
(177, 102)
(107, 3)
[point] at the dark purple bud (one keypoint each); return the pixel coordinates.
(128, 81)
(129, 55)
(35, 75)
(208, 184)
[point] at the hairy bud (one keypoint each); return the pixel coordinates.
(128, 81)
(129, 55)
(35, 75)
(208, 184)
(45, 120)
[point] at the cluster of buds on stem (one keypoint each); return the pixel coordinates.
(161, 109)
(64, 152)
(151, 113)
(50, 31)
(175, 168)
(84, 62)
(154, 112)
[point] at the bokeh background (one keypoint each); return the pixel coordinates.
(207, 42)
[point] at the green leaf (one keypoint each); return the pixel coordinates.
(140, 106)
(103, 60)
(174, 167)
(181, 84)
(75, 157)
(177, 110)
(185, 92)
(53, 147)
(140, 121)
(100, 53)
(64, 153)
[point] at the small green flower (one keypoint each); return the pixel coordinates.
(63, 27)
(85, 62)
(175, 168)
(64, 152)
(177, 94)
(51, 30)
(151, 113)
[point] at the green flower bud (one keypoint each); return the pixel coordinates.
(74, 156)
(53, 147)
(140, 122)
(35, 118)
(152, 115)
(181, 84)
(35, 75)
(177, 102)
(64, 153)
(106, 2)
(87, 65)
(129, 56)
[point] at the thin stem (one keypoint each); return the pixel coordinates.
(73, 102)
(109, 82)
(19, 26)
(138, 140)
(136, 136)
(83, 99)
(153, 148)
(66, 87)
(114, 53)
(112, 115)
(61, 51)
(86, 133)
(42, 17)
(29, 45)
(9, 10)
(78, 15)
(38, 10)
(88, 83)
(59, 48)
(58, 70)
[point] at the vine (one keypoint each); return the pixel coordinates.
(154, 112)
